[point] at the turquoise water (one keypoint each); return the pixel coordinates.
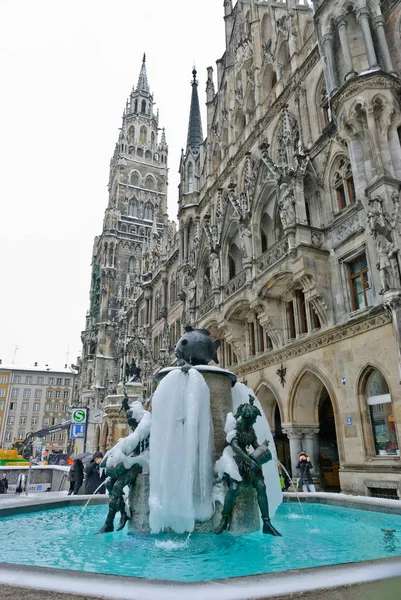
(326, 535)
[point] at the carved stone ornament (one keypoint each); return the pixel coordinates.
(316, 343)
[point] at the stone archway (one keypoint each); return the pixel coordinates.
(328, 446)
(274, 414)
(313, 415)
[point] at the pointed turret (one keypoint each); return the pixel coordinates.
(195, 135)
(143, 85)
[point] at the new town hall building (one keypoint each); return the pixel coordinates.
(287, 246)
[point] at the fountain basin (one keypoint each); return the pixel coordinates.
(339, 543)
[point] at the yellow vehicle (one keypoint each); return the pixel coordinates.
(11, 458)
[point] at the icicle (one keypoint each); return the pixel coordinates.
(181, 450)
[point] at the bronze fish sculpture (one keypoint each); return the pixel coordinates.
(196, 347)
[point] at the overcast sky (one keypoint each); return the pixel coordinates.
(67, 68)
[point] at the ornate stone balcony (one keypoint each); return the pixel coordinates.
(272, 255)
(206, 306)
(235, 284)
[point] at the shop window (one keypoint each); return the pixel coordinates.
(378, 399)
(360, 284)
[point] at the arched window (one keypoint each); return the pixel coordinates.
(134, 179)
(152, 140)
(131, 265)
(283, 56)
(131, 134)
(231, 268)
(148, 211)
(240, 122)
(143, 106)
(378, 399)
(263, 239)
(124, 228)
(131, 150)
(190, 177)
(143, 135)
(136, 106)
(133, 208)
(139, 152)
(148, 155)
(343, 183)
(133, 230)
(234, 260)
(271, 230)
(150, 183)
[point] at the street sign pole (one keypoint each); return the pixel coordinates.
(86, 428)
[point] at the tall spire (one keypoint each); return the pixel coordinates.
(143, 85)
(195, 135)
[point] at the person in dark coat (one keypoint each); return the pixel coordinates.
(93, 478)
(76, 476)
(304, 466)
(3, 484)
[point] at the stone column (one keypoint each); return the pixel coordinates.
(164, 294)
(181, 247)
(363, 18)
(300, 119)
(328, 44)
(310, 444)
(185, 243)
(294, 437)
(342, 31)
(378, 25)
(306, 119)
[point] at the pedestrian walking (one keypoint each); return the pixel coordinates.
(304, 466)
(94, 476)
(3, 484)
(75, 476)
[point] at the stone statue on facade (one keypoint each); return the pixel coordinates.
(191, 293)
(381, 228)
(124, 462)
(214, 270)
(246, 241)
(245, 468)
(286, 206)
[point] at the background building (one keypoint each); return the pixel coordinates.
(36, 398)
(288, 241)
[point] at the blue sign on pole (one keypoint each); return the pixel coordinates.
(77, 431)
(349, 420)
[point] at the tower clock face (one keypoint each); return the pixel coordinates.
(96, 415)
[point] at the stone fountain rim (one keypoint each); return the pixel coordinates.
(200, 368)
(283, 584)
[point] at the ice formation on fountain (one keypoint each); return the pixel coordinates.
(181, 453)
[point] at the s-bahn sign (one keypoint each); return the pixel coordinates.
(78, 415)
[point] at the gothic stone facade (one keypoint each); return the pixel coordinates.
(288, 240)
